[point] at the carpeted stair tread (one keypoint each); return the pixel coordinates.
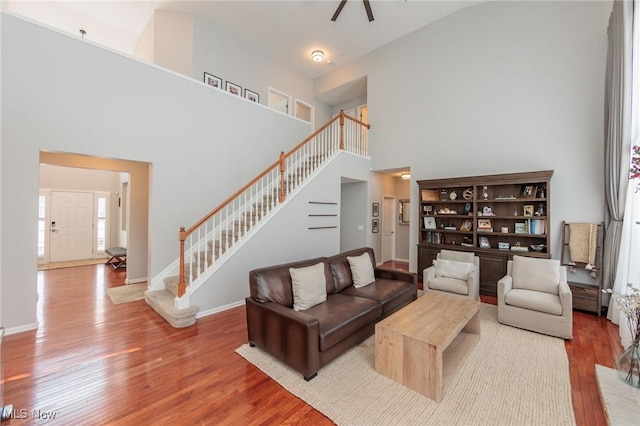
(162, 301)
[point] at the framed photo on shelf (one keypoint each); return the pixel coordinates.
(528, 210)
(375, 226)
(503, 246)
(520, 228)
(466, 226)
(529, 191)
(467, 208)
(234, 89)
(429, 195)
(484, 223)
(375, 209)
(252, 96)
(483, 242)
(430, 222)
(212, 80)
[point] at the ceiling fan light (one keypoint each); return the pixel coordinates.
(317, 55)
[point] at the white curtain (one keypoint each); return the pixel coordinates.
(628, 266)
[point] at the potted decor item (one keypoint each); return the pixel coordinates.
(628, 363)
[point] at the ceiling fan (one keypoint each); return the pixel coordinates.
(367, 7)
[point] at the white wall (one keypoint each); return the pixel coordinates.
(350, 104)
(353, 215)
(192, 45)
(403, 232)
(100, 103)
(173, 41)
(494, 88)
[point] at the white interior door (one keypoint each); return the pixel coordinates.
(388, 228)
(71, 227)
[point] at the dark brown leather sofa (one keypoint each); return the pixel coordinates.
(307, 340)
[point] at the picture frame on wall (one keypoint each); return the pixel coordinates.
(375, 226)
(375, 209)
(234, 89)
(252, 96)
(212, 80)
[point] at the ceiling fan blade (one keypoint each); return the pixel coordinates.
(367, 7)
(338, 10)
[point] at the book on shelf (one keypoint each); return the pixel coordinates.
(537, 226)
(485, 230)
(519, 249)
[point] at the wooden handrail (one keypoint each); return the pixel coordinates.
(355, 120)
(313, 135)
(183, 234)
(231, 198)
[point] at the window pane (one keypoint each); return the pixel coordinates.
(102, 207)
(41, 216)
(41, 206)
(40, 238)
(101, 235)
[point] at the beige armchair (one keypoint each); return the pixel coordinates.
(454, 272)
(534, 295)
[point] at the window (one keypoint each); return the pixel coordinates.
(101, 222)
(41, 224)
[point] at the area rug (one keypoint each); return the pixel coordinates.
(69, 264)
(621, 401)
(511, 377)
(127, 293)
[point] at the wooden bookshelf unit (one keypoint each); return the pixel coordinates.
(495, 216)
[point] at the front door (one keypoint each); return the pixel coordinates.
(71, 227)
(388, 228)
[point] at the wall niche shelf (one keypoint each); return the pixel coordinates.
(495, 216)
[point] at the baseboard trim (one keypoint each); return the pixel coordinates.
(135, 280)
(402, 260)
(208, 312)
(21, 329)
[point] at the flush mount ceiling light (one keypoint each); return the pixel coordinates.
(317, 55)
(405, 176)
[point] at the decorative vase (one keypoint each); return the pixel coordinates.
(628, 365)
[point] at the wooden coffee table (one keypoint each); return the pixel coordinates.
(423, 345)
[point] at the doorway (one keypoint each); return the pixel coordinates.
(388, 228)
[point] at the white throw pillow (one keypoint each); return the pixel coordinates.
(453, 269)
(309, 286)
(361, 270)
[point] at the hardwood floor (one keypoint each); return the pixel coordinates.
(91, 362)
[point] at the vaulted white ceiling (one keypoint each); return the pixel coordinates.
(287, 31)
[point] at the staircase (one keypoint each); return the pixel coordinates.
(206, 245)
